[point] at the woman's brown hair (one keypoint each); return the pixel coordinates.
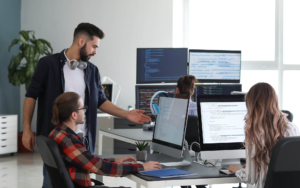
(265, 123)
(186, 84)
(64, 105)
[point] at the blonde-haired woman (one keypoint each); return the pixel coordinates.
(265, 125)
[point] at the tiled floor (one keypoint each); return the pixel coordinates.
(25, 171)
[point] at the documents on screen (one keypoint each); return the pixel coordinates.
(223, 122)
(171, 120)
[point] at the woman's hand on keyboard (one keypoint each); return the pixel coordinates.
(152, 165)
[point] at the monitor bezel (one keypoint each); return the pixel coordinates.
(216, 51)
(218, 98)
(167, 144)
(154, 82)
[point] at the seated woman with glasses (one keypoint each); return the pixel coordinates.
(265, 125)
(68, 112)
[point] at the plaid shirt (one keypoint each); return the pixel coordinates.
(80, 162)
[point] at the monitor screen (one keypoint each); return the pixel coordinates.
(217, 89)
(158, 65)
(170, 123)
(221, 121)
(218, 66)
(145, 93)
(108, 91)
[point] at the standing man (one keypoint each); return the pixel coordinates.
(70, 71)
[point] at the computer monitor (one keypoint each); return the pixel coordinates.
(144, 94)
(170, 127)
(214, 89)
(221, 127)
(108, 91)
(218, 66)
(161, 65)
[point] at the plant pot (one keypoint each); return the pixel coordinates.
(141, 155)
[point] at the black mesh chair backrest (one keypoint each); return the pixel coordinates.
(290, 116)
(284, 167)
(192, 132)
(56, 168)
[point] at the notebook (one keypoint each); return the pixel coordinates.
(167, 173)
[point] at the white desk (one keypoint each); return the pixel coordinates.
(207, 175)
(126, 135)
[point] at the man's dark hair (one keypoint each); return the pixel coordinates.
(186, 84)
(88, 29)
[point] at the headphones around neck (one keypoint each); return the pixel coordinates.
(153, 107)
(80, 64)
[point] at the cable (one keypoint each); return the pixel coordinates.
(195, 143)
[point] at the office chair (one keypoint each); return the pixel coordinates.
(55, 165)
(284, 167)
(290, 116)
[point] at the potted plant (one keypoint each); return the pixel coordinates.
(30, 50)
(22, 65)
(141, 154)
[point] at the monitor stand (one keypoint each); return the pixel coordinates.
(227, 162)
(187, 160)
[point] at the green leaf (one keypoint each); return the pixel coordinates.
(22, 47)
(15, 41)
(37, 54)
(11, 62)
(25, 34)
(40, 46)
(32, 33)
(22, 75)
(29, 53)
(47, 43)
(21, 40)
(18, 59)
(29, 69)
(35, 62)
(16, 78)
(32, 41)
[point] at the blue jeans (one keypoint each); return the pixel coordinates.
(47, 181)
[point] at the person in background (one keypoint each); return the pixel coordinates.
(265, 125)
(68, 113)
(186, 85)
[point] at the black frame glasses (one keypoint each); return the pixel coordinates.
(85, 107)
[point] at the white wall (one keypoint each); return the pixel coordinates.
(127, 24)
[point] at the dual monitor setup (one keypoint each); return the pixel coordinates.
(220, 115)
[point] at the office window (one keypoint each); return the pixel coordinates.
(247, 25)
(291, 31)
(251, 77)
(291, 92)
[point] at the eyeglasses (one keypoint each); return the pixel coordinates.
(84, 108)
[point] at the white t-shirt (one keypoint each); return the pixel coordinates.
(74, 82)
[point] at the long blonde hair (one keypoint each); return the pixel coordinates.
(265, 123)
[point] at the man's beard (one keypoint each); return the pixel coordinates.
(83, 54)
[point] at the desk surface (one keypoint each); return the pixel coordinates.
(202, 171)
(134, 134)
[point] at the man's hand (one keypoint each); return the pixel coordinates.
(136, 116)
(28, 139)
(122, 159)
(234, 168)
(152, 165)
